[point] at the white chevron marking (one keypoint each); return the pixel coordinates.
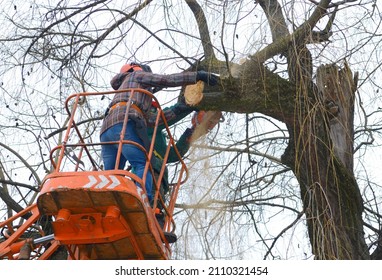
(103, 183)
(92, 181)
(115, 183)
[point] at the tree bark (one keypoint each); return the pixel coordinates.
(320, 153)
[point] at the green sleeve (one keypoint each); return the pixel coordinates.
(175, 113)
(183, 145)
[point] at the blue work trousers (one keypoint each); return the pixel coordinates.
(131, 153)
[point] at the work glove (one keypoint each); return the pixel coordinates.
(209, 78)
(188, 133)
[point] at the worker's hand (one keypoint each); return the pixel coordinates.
(209, 78)
(188, 134)
(181, 108)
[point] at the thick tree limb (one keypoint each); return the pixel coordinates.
(203, 29)
(282, 43)
(276, 21)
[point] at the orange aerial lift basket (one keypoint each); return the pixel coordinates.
(84, 212)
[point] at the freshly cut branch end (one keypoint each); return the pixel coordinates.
(194, 93)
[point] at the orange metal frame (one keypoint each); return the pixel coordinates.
(95, 214)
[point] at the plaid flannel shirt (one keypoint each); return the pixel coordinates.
(144, 80)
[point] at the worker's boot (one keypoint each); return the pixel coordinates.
(170, 236)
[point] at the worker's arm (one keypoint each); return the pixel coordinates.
(182, 145)
(174, 80)
(173, 114)
(146, 79)
(163, 81)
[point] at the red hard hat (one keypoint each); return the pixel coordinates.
(155, 104)
(130, 67)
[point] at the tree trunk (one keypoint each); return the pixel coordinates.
(320, 153)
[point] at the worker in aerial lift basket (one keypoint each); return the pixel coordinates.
(134, 75)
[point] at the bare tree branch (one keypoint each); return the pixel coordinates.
(203, 29)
